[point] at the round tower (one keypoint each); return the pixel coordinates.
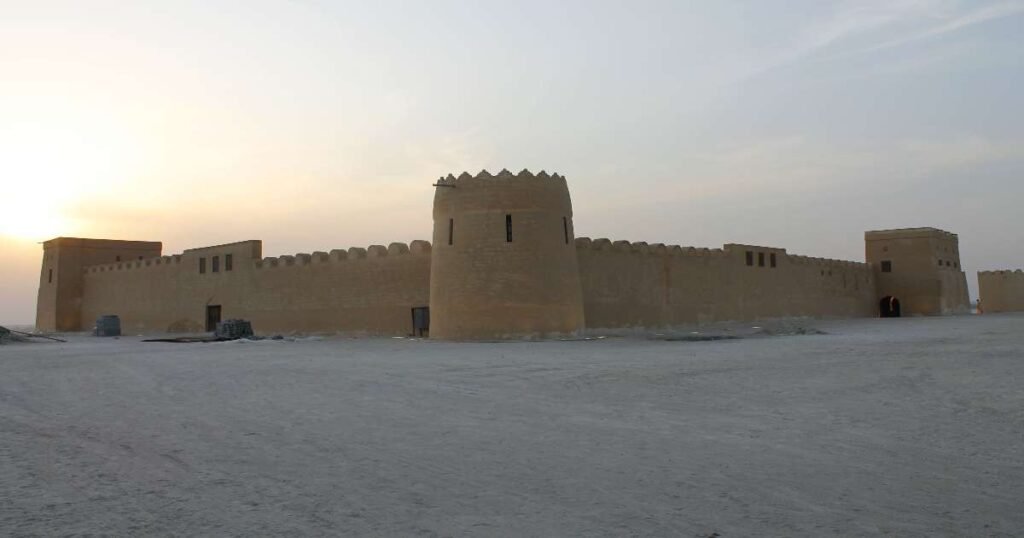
(504, 259)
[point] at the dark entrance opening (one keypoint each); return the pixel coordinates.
(420, 321)
(889, 307)
(212, 317)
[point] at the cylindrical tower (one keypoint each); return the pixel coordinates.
(504, 260)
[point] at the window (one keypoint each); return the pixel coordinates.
(228, 262)
(887, 266)
(216, 264)
(760, 259)
(750, 258)
(140, 257)
(117, 258)
(451, 231)
(202, 265)
(51, 276)
(508, 228)
(773, 259)
(948, 264)
(940, 263)
(565, 229)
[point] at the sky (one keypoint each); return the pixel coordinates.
(315, 125)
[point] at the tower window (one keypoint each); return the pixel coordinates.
(760, 259)
(508, 228)
(50, 280)
(565, 229)
(216, 264)
(750, 258)
(228, 262)
(117, 258)
(451, 231)
(773, 259)
(940, 263)
(887, 266)
(202, 265)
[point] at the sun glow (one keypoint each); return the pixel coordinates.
(45, 170)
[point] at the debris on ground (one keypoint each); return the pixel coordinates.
(107, 326)
(10, 335)
(233, 329)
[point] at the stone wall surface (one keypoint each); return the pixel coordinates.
(1001, 291)
(359, 291)
(636, 285)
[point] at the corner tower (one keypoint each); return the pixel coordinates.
(504, 260)
(920, 268)
(59, 303)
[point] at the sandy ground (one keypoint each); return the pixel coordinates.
(911, 427)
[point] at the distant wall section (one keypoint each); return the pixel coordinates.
(1001, 291)
(637, 285)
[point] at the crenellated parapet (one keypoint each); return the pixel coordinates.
(393, 250)
(645, 249)
(584, 244)
(504, 175)
(147, 263)
(418, 248)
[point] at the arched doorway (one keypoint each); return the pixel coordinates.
(889, 307)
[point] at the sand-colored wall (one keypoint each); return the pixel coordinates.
(926, 274)
(483, 286)
(636, 285)
(1001, 291)
(61, 286)
(358, 291)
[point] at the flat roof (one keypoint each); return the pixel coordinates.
(908, 232)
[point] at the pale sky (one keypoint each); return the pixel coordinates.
(316, 125)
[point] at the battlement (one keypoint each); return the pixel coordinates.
(1002, 272)
(158, 261)
(729, 250)
(524, 174)
(393, 250)
(642, 247)
(417, 247)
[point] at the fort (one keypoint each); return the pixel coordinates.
(504, 262)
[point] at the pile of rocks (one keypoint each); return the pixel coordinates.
(107, 326)
(233, 329)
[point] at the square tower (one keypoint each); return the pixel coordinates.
(919, 267)
(59, 304)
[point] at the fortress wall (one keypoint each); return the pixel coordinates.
(360, 291)
(1001, 291)
(647, 286)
